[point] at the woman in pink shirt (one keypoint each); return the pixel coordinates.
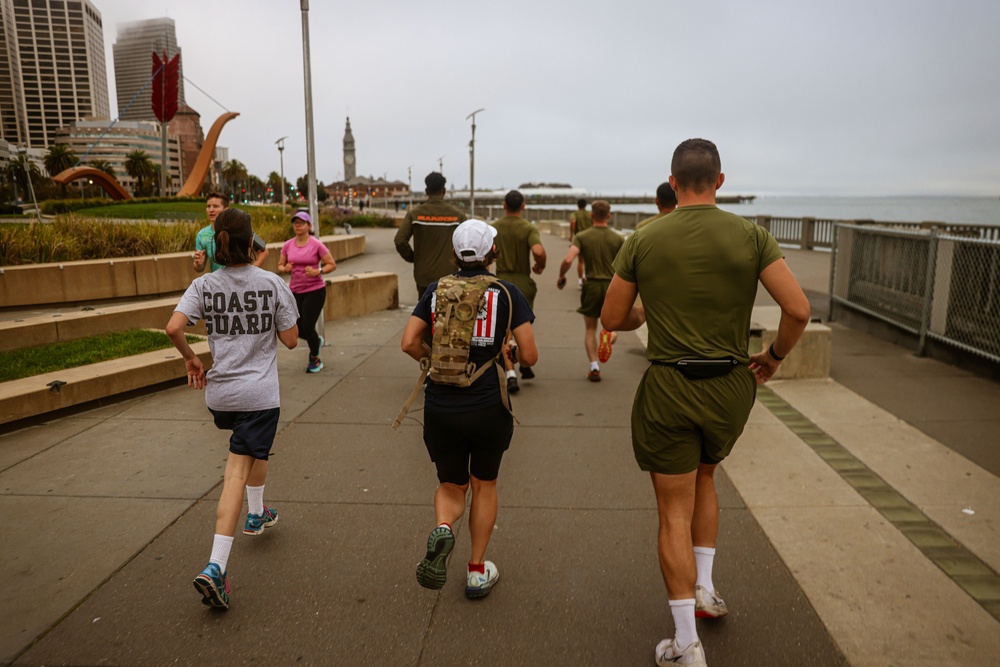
(301, 256)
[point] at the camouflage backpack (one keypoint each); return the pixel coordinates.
(458, 302)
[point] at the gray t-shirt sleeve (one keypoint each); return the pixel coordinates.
(287, 312)
(191, 304)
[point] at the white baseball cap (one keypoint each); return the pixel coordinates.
(473, 240)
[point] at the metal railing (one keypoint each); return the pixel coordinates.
(806, 233)
(944, 287)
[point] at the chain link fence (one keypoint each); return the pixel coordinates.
(935, 286)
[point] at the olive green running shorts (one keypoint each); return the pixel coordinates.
(592, 297)
(678, 423)
(524, 283)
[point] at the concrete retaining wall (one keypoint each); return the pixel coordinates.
(95, 280)
(32, 396)
(347, 296)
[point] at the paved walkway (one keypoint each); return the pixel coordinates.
(108, 515)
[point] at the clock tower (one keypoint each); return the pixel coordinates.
(349, 166)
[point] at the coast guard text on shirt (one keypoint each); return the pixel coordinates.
(235, 313)
(484, 334)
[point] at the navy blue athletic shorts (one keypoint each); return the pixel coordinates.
(253, 432)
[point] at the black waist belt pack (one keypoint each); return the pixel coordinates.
(702, 369)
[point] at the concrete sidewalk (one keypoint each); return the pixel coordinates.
(109, 516)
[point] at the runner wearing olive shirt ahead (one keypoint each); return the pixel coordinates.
(430, 225)
(520, 251)
(696, 271)
(580, 221)
(596, 248)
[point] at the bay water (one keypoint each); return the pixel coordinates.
(954, 210)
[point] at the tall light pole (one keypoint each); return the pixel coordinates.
(441, 164)
(310, 143)
(472, 164)
(281, 155)
(409, 186)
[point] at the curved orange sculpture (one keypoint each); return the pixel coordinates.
(106, 181)
(192, 186)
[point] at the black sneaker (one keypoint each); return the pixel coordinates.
(527, 373)
(512, 387)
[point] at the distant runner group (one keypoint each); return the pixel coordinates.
(689, 274)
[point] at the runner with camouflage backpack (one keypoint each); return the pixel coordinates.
(467, 422)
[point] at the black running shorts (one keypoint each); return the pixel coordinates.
(253, 432)
(461, 443)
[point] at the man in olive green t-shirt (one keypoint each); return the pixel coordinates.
(666, 202)
(580, 221)
(431, 225)
(596, 247)
(518, 242)
(696, 271)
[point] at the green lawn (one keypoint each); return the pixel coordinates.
(31, 361)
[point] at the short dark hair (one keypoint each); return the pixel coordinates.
(665, 196)
(435, 182)
(581, 204)
(233, 234)
(600, 210)
(465, 265)
(696, 165)
(513, 201)
(218, 195)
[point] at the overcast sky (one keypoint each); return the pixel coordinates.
(858, 97)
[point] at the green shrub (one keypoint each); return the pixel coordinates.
(71, 238)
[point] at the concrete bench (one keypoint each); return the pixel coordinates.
(809, 359)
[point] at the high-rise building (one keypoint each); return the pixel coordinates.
(133, 53)
(52, 68)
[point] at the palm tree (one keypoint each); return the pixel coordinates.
(234, 172)
(156, 179)
(255, 187)
(274, 182)
(140, 167)
(58, 159)
(105, 166)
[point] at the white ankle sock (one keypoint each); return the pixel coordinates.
(512, 373)
(703, 558)
(683, 613)
(255, 499)
(594, 366)
(221, 546)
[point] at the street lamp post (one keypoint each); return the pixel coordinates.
(281, 156)
(472, 164)
(441, 164)
(409, 186)
(310, 140)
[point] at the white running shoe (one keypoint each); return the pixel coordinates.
(667, 654)
(708, 605)
(479, 585)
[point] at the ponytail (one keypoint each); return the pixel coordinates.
(233, 234)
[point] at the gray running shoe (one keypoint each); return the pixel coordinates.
(432, 571)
